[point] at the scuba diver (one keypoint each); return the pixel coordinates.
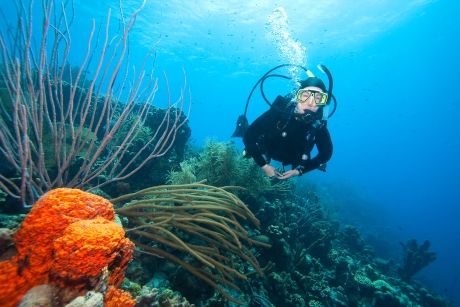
(290, 130)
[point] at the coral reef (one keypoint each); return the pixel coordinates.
(221, 165)
(161, 297)
(351, 236)
(65, 229)
(316, 264)
(313, 261)
(416, 257)
(206, 231)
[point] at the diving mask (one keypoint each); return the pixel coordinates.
(320, 98)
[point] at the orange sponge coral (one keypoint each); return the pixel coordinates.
(116, 297)
(48, 219)
(12, 284)
(68, 238)
(86, 248)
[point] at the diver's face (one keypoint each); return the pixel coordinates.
(305, 101)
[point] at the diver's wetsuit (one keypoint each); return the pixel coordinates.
(287, 139)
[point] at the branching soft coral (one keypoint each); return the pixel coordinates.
(68, 239)
(220, 164)
(416, 257)
(196, 220)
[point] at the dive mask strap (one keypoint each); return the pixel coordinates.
(325, 112)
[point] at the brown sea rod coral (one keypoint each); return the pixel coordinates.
(196, 222)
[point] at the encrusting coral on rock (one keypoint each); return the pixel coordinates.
(68, 240)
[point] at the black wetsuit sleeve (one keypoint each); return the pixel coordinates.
(323, 143)
(258, 128)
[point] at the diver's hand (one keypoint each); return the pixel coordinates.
(270, 171)
(289, 174)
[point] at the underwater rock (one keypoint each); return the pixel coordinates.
(295, 300)
(6, 239)
(161, 297)
(382, 285)
(39, 296)
(338, 298)
(315, 303)
(352, 238)
(385, 299)
(90, 299)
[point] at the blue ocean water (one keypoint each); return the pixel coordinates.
(394, 173)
